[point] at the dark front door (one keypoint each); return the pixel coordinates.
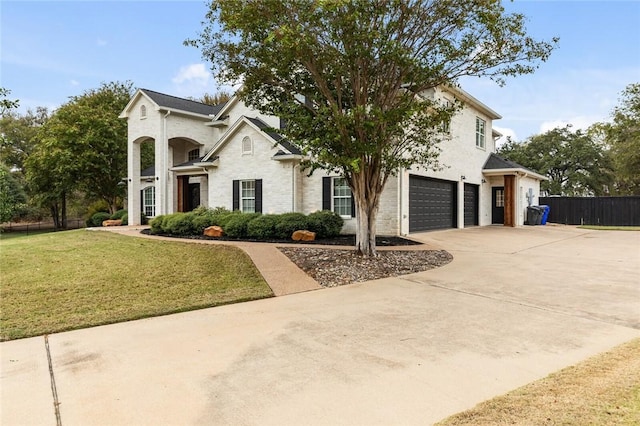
(470, 204)
(193, 197)
(497, 200)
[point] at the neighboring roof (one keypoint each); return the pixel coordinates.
(173, 102)
(265, 128)
(497, 163)
(150, 171)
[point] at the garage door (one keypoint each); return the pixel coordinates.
(432, 204)
(470, 204)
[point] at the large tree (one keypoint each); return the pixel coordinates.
(576, 163)
(83, 146)
(347, 76)
(18, 136)
(623, 136)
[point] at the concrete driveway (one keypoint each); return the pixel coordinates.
(513, 306)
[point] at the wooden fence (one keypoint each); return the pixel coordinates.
(605, 211)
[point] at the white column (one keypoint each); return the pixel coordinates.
(133, 182)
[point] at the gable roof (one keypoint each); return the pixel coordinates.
(500, 165)
(173, 103)
(286, 147)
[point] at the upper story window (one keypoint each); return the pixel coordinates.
(445, 127)
(143, 112)
(481, 127)
(247, 145)
(194, 154)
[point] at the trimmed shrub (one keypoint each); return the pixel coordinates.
(236, 226)
(125, 219)
(202, 221)
(99, 206)
(118, 215)
(98, 218)
(263, 227)
(180, 224)
(325, 223)
(288, 223)
(156, 224)
(144, 220)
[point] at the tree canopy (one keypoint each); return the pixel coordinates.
(349, 76)
(576, 163)
(83, 146)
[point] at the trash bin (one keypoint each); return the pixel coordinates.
(545, 214)
(534, 215)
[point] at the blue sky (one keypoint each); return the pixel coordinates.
(51, 50)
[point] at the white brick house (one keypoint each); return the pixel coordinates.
(230, 156)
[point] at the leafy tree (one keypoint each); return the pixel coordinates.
(6, 104)
(349, 76)
(623, 136)
(12, 196)
(214, 98)
(575, 162)
(83, 146)
(18, 136)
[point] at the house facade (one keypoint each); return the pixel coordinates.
(232, 156)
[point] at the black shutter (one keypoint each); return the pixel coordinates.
(353, 206)
(236, 195)
(326, 193)
(142, 200)
(258, 195)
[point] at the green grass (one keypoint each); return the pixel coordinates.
(610, 228)
(603, 390)
(20, 234)
(74, 279)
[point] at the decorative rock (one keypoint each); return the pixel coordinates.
(303, 236)
(112, 222)
(213, 231)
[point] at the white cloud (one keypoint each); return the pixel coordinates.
(506, 132)
(194, 73)
(577, 123)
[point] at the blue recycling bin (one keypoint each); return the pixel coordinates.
(545, 214)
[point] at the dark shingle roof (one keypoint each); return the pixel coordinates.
(495, 162)
(275, 136)
(150, 171)
(192, 162)
(181, 104)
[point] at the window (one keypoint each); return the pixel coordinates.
(341, 197)
(480, 132)
(247, 145)
(499, 197)
(143, 112)
(248, 196)
(194, 154)
(445, 126)
(149, 201)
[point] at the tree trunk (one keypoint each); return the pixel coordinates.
(53, 208)
(366, 190)
(64, 210)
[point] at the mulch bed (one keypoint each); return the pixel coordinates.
(332, 268)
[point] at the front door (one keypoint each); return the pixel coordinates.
(193, 197)
(497, 211)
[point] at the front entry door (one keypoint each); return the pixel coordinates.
(193, 196)
(497, 211)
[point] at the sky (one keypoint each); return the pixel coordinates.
(51, 50)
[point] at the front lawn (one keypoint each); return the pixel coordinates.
(610, 228)
(75, 279)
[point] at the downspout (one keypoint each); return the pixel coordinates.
(400, 206)
(165, 160)
(294, 186)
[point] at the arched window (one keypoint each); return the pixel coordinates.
(194, 154)
(247, 145)
(143, 112)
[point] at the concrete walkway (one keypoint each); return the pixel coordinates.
(512, 307)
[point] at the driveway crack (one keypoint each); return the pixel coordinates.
(54, 390)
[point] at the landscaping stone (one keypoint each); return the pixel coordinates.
(213, 231)
(112, 222)
(303, 235)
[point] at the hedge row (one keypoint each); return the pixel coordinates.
(325, 224)
(97, 218)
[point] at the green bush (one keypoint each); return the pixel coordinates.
(180, 224)
(263, 227)
(288, 223)
(236, 226)
(98, 218)
(125, 219)
(156, 224)
(99, 206)
(144, 219)
(118, 215)
(325, 223)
